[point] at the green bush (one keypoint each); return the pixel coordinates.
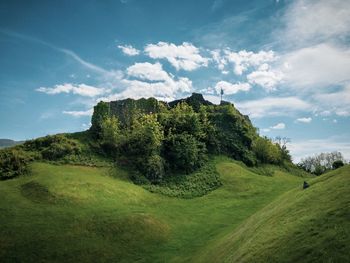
(267, 151)
(184, 153)
(53, 147)
(154, 169)
(337, 164)
(13, 162)
(199, 183)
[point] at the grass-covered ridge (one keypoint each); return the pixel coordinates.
(311, 225)
(90, 214)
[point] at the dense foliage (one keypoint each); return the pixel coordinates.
(162, 139)
(53, 147)
(13, 162)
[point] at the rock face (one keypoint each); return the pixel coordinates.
(196, 100)
(125, 109)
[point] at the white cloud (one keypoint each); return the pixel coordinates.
(79, 113)
(279, 126)
(219, 59)
(304, 120)
(309, 21)
(78, 89)
(148, 71)
(230, 88)
(265, 77)
(243, 59)
(273, 106)
(185, 56)
(316, 67)
(303, 148)
(129, 50)
(152, 81)
(212, 98)
(336, 102)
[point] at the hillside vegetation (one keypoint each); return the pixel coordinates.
(185, 181)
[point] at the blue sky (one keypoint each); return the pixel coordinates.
(284, 63)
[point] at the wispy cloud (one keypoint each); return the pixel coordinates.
(79, 113)
(304, 120)
(110, 74)
(273, 106)
(278, 126)
(78, 89)
(129, 50)
(231, 88)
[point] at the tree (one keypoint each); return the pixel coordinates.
(110, 134)
(282, 143)
(320, 163)
(267, 151)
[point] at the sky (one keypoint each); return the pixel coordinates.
(284, 63)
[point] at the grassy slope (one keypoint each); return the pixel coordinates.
(311, 225)
(73, 213)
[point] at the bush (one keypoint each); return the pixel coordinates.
(199, 183)
(337, 164)
(266, 151)
(154, 169)
(13, 162)
(53, 147)
(183, 152)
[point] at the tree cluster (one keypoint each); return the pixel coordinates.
(322, 162)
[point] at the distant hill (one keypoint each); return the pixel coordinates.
(8, 143)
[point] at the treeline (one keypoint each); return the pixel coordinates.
(180, 138)
(323, 162)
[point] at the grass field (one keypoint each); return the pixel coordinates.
(63, 213)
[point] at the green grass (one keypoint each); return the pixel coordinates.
(311, 225)
(65, 213)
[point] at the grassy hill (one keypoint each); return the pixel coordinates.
(311, 225)
(65, 213)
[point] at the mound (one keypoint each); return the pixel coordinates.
(300, 226)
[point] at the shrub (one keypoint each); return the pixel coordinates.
(110, 135)
(13, 162)
(154, 168)
(266, 151)
(183, 152)
(53, 147)
(337, 164)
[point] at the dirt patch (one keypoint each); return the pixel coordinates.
(37, 193)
